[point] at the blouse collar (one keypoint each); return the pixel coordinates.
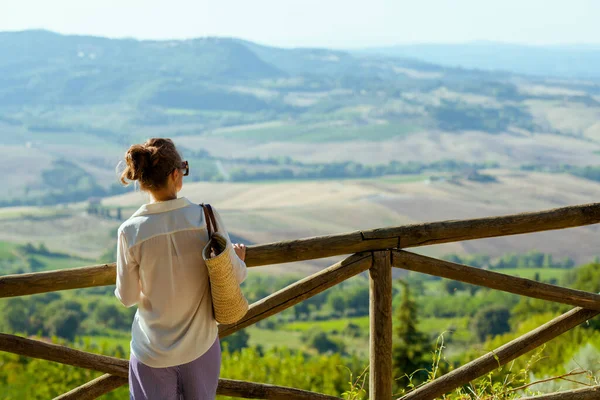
(162, 206)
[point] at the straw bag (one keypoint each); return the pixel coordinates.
(229, 304)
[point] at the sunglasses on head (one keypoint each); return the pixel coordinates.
(184, 166)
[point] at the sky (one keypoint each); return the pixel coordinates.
(316, 23)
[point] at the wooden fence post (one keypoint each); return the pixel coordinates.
(380, 314)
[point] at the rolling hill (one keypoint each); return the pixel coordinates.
(263, 213)
(334, 134)
(560, 61)
(228, 101)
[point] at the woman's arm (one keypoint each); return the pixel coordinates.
(128, 275)
(239, 265)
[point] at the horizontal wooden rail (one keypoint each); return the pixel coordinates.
(424, 234)
(251, 390)
(62, 354)
(500, 356)
(495, 280)
(264, 308)
(94, 389)
(51, 281)
(301, 290)
(227, 387)
(327, 246)
(591, 393)
(120, 368)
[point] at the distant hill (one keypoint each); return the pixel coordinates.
(566, 61)
(241, 111)
(44, 68)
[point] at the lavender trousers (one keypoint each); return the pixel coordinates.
(196, 380)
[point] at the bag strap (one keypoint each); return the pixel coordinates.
(209, 217)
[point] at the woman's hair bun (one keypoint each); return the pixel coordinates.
(150, 163)
(138, 159)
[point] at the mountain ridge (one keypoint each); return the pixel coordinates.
(274, 112)
(535, 60)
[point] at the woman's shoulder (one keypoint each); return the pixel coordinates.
(125, 229)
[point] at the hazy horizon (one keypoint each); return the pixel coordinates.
(592, 45)
(333, 24)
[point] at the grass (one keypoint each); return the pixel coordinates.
(7, 250)
(180, 111)
(529, 273)
(431, 326)
(434, 287)
(403, 178)
(320, 134)
(109, 341)
(331, 325)
(12, 260)
(273, 338)
(79, 138)
(11, 213)
(53, 263)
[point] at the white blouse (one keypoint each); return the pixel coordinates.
(160, 268)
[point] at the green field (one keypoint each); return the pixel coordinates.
(332, 325)
(403, 178)
(33, 213)
(320, 133)
(7, 250)
(430, 326)
(273, 338)
(103, 342)
(545, 274)
(53, 263)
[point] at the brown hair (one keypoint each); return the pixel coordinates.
(151, 163)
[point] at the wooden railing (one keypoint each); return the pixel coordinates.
(376, 251)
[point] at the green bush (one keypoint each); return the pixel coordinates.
(491, 321)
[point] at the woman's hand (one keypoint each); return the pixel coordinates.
(240, 250)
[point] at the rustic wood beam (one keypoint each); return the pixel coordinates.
(52, 281)
(500, 356)
(95, 388)
(227, 387)
(588, 393)
(119, 368)
(270, 305)
(62, 354)
(251, 390)
(423, 234)
(494, 280)
(326, 246)
(301, 290)
(380, 316)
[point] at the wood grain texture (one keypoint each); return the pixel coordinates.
(227, 387)
(494, 280)
(333, 245)
(301, 290)
(251, 390)
(500, 356)
(51, 281)
(380, 315)
(591, 393)
(94, 389)
(62, 354)
(455, 231)
(119, 370)
(423, 234)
